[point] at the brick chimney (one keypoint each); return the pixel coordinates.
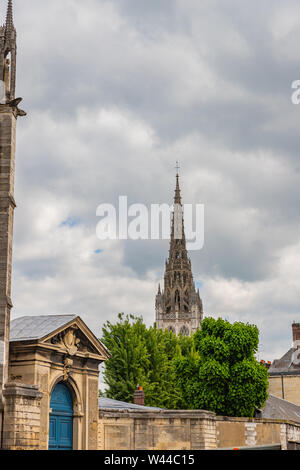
(139, 396)
(296, 335)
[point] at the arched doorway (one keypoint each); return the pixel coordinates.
(61, 419)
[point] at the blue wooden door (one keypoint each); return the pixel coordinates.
(61, 419)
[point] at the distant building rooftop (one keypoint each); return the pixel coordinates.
(285, 365)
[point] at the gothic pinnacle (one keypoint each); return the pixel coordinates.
(177, 199)
(9, 24)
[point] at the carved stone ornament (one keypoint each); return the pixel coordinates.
(68, 362)
(67, 340)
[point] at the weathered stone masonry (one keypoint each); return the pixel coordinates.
(190, 430)
(7, 205)
(156, 430)
(8, 117)
(22, 417)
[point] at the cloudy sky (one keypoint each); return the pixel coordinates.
(116, 91)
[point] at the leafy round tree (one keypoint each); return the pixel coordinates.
(223, 375)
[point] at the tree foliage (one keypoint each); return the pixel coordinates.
(215, 369)
(222, 374)
(141, 355)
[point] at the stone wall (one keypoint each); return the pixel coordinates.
(190, 430)
(286, 387)
(21, 417)
(156, 430)
(249, 432)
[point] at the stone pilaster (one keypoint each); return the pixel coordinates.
(283, 436)
(250, 433)
(21, 417)
(204, 431)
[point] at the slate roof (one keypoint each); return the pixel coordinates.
(37, 327)
(284, 364)
(121, 405)
(277, 408)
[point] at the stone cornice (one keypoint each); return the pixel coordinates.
(157, 414)
(23, 390)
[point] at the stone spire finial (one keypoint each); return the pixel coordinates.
(177, 198)
(9, 24)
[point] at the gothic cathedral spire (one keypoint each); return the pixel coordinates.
(178, 306)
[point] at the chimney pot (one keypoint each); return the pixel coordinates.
(139, 396)
(296, 335)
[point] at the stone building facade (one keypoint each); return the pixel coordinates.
(50, 358)
(179, 306)
(284, 373)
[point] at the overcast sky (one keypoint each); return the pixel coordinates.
(116, 91)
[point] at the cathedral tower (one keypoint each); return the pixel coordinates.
(178, 306)
(9, 112)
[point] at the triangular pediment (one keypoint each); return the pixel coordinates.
(75, 339)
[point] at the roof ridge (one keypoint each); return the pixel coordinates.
(50, 315)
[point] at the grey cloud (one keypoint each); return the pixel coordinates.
(117, 91)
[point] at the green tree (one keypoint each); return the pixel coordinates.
(126, 341)
(221, 373)
(141, 355)
(160, 387)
